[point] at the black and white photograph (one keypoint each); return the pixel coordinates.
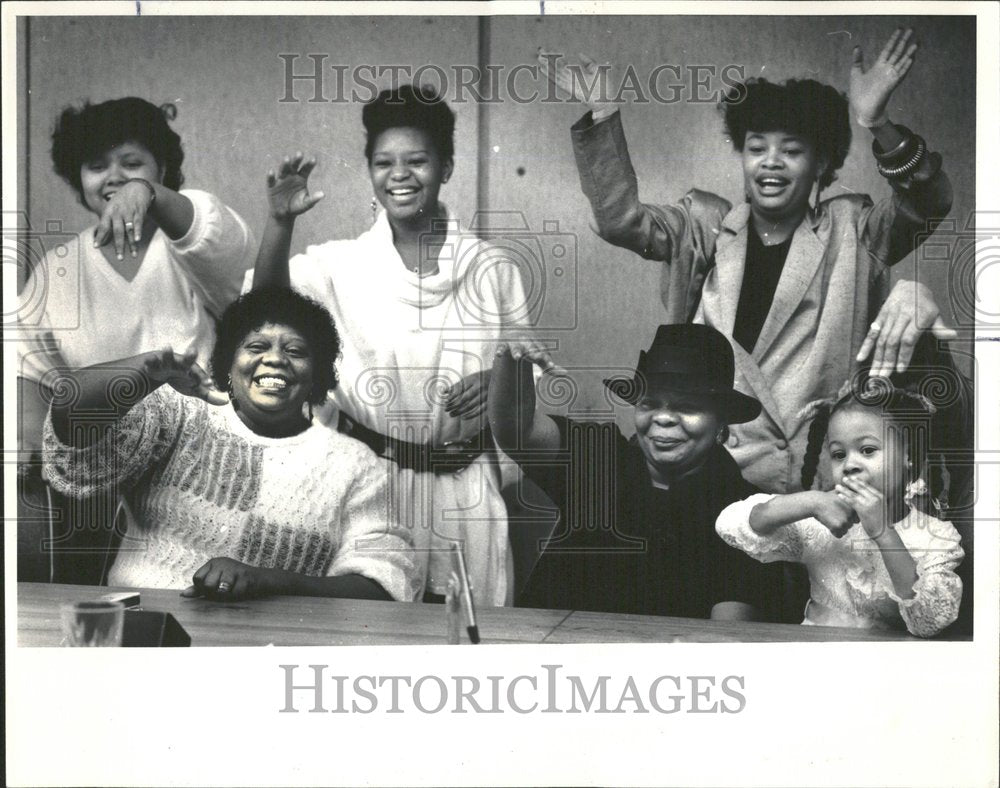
(646, 351)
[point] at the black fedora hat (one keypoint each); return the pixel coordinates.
(689, 358)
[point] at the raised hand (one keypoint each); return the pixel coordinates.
(586, 83)
(870, 90)
(909, 310)
(183, 373)
(288, 191)
(834, 512)
(123, 217)
(868, 502)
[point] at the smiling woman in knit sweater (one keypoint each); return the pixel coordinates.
(240, 495)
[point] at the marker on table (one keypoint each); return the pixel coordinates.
(470, 610)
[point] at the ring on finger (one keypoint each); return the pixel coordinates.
(223, 586)
(876, 327)
(129, 224)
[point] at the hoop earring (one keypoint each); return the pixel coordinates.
(374, 210)
(229, 391)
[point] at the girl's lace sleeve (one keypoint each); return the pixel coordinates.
(936, 549)
(140, 438)
(733, 525)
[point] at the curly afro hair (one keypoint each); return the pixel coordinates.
(83, 134)
(279, 306)
(814, 111)
(415, 107)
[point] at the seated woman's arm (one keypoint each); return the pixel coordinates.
(244, 582)
(511, 401)
(374, 556)
(112, 389)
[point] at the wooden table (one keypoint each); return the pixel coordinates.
(308, 621)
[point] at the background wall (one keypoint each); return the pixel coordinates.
(601, 304)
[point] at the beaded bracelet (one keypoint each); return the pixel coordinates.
(908, 166)
(148, 185)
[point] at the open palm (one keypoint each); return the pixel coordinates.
(182, 372)
(870, 90)
(288, 190)
(586, 83)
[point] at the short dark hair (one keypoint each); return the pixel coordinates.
(82, 134)
(280, 306)
(814, 111)
(408, 106)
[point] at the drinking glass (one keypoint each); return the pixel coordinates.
(92, 623)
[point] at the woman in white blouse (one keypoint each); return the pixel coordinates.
(421, 307)
(156, 269)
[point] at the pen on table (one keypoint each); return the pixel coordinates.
(470, 610)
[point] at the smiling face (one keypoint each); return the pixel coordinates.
(103, 175)
(779, 170)
(860, 447)
(272, 378)
(406, 173)
(675, 431)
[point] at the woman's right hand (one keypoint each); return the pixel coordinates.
(831, 510)
(288, 191)
(183, 373)
(588, 85)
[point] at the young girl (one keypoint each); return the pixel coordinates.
(874, 559)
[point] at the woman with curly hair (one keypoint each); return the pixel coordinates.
(156, 269)
(234, 496)
(422, 307)
(801, 287)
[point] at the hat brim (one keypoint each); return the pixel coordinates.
(737, 408)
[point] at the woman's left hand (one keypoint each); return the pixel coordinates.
(909, 310)
(123, 218)
(868, 502)
(229, 580)
(870, 90)
(467, 399)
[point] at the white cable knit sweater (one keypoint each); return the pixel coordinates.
(202, 485)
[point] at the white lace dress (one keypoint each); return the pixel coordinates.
(849, 584)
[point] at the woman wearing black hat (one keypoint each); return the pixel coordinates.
(636, 530)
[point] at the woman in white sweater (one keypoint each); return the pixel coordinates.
(234, 496)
